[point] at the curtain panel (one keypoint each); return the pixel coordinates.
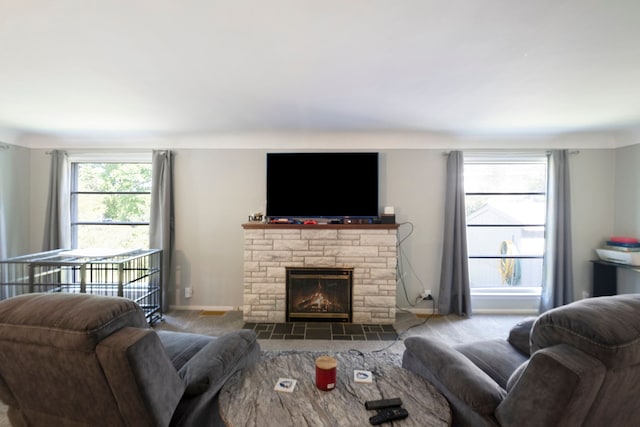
(3, 233)
(57, 226)
(557, 279)
(162, 221)
(455, 292)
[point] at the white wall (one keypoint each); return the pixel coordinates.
(216, 189)
(412, 181)
(40, 163)
(593, 187)
(627, 202)
(627, 191)
(14, 195)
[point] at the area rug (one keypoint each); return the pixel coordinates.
(366, 360)
(282, 390)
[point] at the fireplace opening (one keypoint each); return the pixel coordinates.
(319, 294)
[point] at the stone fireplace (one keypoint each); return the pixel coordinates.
(369, 250)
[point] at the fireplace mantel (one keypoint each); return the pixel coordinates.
(370, 249)
(261, 225)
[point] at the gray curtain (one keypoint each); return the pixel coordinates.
(557, 279)
(6, 290)
(455, 294)
(57, 226)
(161, 224)
(3, 233)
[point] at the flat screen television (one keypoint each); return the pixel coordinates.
(322, 185)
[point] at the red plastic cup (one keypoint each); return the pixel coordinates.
(326, 373)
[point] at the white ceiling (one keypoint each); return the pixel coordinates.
(157, 68)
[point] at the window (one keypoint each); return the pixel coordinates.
(506, 205)
(110, 205)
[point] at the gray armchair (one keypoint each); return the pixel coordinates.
(88, 360)
(578, 366)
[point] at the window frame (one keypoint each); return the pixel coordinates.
(504, 158)
(85, 158)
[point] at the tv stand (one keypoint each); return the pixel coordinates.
(605, 277)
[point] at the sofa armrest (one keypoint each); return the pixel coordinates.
(453, 374)
(5, 394)
(556, 387)
(142, 379)
(208, 369)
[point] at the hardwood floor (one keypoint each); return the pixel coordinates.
(450, 329)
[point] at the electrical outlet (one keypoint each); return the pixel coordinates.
(188, 292)
(426, 295)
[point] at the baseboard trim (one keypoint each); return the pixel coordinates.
(429, 312)
(422, 311)
(505, 311)
(206, 307)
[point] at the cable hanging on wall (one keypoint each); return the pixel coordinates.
(402, 259)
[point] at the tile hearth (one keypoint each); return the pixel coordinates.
(323, 331)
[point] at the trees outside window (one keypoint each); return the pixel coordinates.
(110, 205)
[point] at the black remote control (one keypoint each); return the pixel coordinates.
(389, 414)
(382, 403)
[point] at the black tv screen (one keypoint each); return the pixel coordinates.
(322, 185)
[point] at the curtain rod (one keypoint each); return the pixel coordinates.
(446, 153)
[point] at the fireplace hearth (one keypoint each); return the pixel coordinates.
(319, 294)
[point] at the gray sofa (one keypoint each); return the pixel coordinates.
(88, 360)
(579, 365)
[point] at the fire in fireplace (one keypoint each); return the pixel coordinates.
(319, 294)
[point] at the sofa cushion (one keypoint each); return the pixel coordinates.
(215, 362)
(497, 358)
(182, 346)
(520, 335)
(607, 328)
(66, 321)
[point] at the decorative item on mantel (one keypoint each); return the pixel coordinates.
(256, 217)
(621, 250)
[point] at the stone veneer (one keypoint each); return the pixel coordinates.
(369, 249)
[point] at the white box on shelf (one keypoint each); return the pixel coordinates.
(629, 258)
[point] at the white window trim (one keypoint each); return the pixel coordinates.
(105, 157)
(109, 157)
(498, 293)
